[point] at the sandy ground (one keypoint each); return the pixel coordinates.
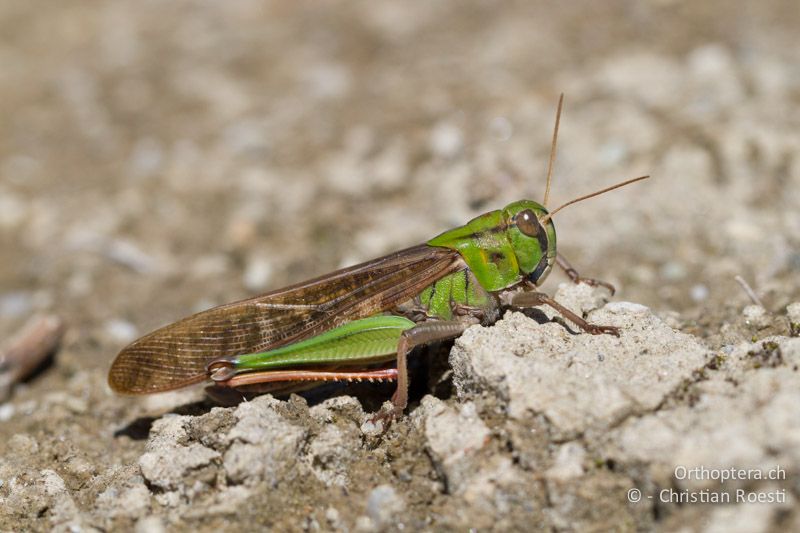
(157, 159)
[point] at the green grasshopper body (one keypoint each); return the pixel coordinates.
(351, 324)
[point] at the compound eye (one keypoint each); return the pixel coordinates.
(528, 223)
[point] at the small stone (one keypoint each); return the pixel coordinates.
(756, 316)
(150, 524)
(384, 504)
(698, 293)
(529, 368)
(129, 502)
(332, 516)
(80, 468)
(673, 271)
(23, 443)
(446, 140)
(331, 452)
(257, 273)
(793, 312)
(262, 445)
(129, 254)
(6, 412)
(120, 331)
(16, 303)
(568, 463)
(453, 438)
(62, 507)
(167, 468)
(365, 524)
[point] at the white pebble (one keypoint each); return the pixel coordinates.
(755, 315)
(257, 273)
(446, 140)
(149, 524)
(383, 503)
(673, 271)
(698, 293)
(332, 515)
(120, 330)
(6, 412)
(793, 312)
(15, 303)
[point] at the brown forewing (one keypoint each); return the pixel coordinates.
(176, 355)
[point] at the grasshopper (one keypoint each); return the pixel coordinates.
(353, 323)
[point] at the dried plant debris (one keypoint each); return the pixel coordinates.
(27, 350)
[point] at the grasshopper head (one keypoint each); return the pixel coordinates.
(534, 242)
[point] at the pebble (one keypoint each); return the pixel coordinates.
(699, 293)
(257, 273)
(673, 271)
(568, 462)
(757, 316)
(23, 443)
(120, 330)
(332, 516)
(446, 140)
(16, 303)
(365, 523)
(150, 524)
(6, 412)
(793, 312)
(383, 504)
(128, 254)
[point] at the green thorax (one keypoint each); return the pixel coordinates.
(456, 289)
(497, 252)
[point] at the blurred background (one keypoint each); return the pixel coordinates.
(158, 158)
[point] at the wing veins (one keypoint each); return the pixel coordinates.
(176, 354)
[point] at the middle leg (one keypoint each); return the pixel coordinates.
(424, 333)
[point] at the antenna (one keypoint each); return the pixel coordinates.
(553, 150)
(549, 215)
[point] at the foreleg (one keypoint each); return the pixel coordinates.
(535, 299)
(570, 271)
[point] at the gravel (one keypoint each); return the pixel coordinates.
(158, 159)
